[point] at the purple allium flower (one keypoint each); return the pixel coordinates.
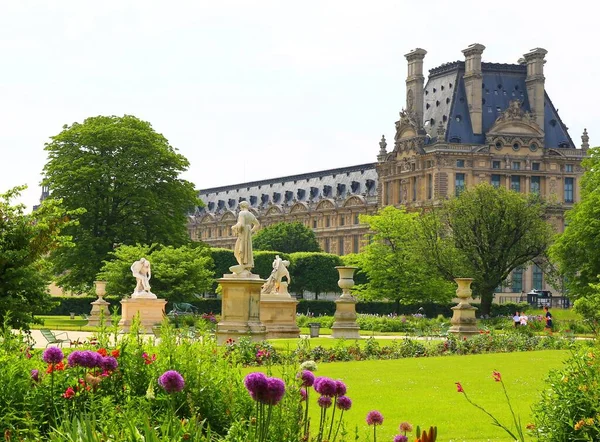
(308, 379)
(374, 418)
(255, 383)
(344, 403)
(303, 394)
(53, 355)
(340, 388)
(324, 401)
(109, 363)
(325, 386)
(75, 358)
(35, 375)
(273, 393)
(400, 438)
(171, 381)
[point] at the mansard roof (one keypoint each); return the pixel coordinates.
(445, 100)
(337, 183)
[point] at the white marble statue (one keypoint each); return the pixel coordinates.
(246, 225)
(280, 270)
(142, 272)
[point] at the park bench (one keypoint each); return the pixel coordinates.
(54, 338)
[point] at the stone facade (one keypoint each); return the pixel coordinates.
(471, 122)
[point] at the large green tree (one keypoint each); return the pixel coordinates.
(575, 251)
(286, 238)
(486, 233)
(314, 272)
(25, 238)
(394, 264)
(178, 273)
(127, 178)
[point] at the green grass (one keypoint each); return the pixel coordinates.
(292, 343)
(64, 323)
(422, 391)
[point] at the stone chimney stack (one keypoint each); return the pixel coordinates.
(535, 83)
(414, 83)
(473, 81)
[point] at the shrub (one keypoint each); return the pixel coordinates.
(569, 408)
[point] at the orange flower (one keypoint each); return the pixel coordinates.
(115, 353)
(102, 351)
(497, 376)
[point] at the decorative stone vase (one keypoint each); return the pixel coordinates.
(344, 325)
(463, 319)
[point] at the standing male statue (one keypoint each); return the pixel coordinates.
(246, 225)
(141, 271)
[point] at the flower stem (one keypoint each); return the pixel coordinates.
(338, 427)
(517, 424)
(332, 418)
(496, 422)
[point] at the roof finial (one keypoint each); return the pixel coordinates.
(441, 131)
(585, 140)
(382, 149)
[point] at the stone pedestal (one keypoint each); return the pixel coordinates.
(344, 325)
(278, 313)
(463, 319)
(240, 308)
(151, 310)
(99, 309)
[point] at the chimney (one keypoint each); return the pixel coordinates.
(473, 82)
(535, 83)
(414, 83)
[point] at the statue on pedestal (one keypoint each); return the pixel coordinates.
(141, 271)
(246, 225)
(280, 270)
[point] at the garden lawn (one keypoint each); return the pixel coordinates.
(291, 344)
(64, 323)
(422, 391)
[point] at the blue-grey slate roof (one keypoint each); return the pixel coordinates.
(445, 100)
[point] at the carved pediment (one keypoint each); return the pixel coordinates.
(207, 219)
(273, 211)
(354, 201)
(516, 121)
(228, 216)
(407, 126)
(325, 204)
(299, 207)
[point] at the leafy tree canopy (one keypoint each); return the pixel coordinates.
(286, 238)
(178, 273)
(394, 264)
(486, 233)
(126, 177)
(24, 240)
(576, 250)
(314, 272)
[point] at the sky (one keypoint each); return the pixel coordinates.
(250, 90)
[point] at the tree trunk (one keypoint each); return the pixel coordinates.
(487, 296)
(397, 306)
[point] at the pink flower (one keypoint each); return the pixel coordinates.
(69, 393)
(374, 418)
(497, 376)
(400, 438)
(459, 388)
(406, 427)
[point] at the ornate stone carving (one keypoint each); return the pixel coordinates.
(516, 112)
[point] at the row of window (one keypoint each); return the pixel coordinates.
(327, 246)
(515, 184)
(515, 165)
(537, 279)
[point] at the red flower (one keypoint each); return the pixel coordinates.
(102, 351)
(459, 388)
(115, 353)
(147, 359)
(497, 376)
(69, 393)
(55, 367)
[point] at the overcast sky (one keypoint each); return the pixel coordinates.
(249, 90)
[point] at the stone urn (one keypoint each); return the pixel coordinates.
(463, 319)
(344, 325)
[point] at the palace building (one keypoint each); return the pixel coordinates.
(470, 122)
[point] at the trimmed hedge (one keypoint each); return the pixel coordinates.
(81, 304)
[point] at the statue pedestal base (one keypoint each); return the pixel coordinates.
(240, 309)
(463, 319)
(344, 325)
(278, 313)
(99, 308)
(152, 312)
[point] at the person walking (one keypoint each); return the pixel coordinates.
(548, 318)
